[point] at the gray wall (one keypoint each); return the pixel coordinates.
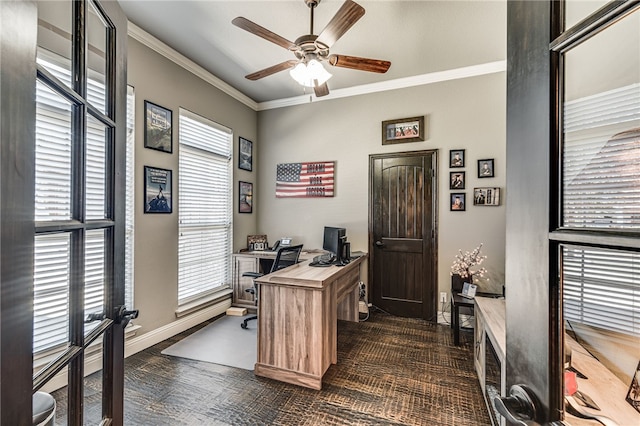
(460, 114)
(161, 81)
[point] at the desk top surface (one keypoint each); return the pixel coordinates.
(303, 275)
(304, 254)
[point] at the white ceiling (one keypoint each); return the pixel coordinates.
(418, 37)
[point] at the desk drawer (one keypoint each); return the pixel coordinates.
(346, 283)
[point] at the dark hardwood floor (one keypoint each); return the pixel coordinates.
(390, 371)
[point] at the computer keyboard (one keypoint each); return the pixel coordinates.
(322, 260)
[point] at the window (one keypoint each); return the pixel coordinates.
(205, 213)
(130, 200)
(52, 251)
(599, 216)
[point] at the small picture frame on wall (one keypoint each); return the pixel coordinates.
(458, 202)
(456, 158)
(485, 168)
(245, 154)
(157, 190)
(456, 180)
(486, 196)
(403, 130)
(158, 131)
(245, 197)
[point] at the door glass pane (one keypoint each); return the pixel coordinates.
(92, 407)
(94, 276)
(53, 155)
(601, 148)
(54, 37)
(96, 57)
(577, 10)
(51, 291)
(96, 168)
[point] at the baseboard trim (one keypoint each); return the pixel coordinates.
(153, 337)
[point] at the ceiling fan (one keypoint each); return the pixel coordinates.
(310, 50)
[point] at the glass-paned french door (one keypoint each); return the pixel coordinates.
(595, 234)
(79, 221)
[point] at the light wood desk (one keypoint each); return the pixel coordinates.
(298, 312)
(249, 261)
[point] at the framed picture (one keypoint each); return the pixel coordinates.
(486, 196)
(305, 180)
(157, 190)
(458, 201)
(245, 154)
(633, 396)
(157, 127)
(456, 158)
(403, 130)
(456, 180)
(245, 197)
(485, 168)
(257, 242)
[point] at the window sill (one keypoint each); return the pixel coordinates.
(203, 302)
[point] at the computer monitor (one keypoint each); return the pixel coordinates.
(334, 239)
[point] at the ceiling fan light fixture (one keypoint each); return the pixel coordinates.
(310, 74)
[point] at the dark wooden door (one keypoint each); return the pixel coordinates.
(402, 234)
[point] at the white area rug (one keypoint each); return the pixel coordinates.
(221, 342)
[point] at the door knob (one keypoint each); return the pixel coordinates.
(520, 407)
(379, 244)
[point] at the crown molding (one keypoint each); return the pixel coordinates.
(178, 58)
(400, 83)
(158, 46)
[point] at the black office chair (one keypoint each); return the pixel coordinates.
(286, 256)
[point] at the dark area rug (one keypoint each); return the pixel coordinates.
(390, 371)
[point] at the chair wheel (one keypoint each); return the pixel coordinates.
(244, 325)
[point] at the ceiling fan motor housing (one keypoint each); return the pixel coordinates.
(308, 45)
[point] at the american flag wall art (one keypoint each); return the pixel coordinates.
(305, 180)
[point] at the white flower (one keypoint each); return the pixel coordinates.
(464, 261)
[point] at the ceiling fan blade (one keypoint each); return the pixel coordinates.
(321, 90)
(272, 70)
(344, 19)
(253, 28)
(362, 64)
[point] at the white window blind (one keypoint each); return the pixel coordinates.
(602, 288)
(53, 202)
(601, 184)
(205, 212)
(601, 191)
(130, 196)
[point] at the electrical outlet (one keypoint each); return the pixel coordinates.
(443, 297)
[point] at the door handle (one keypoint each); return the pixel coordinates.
(123, 316)
(520, 407)
(379, 244)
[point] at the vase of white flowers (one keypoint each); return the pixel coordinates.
(461, 270)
